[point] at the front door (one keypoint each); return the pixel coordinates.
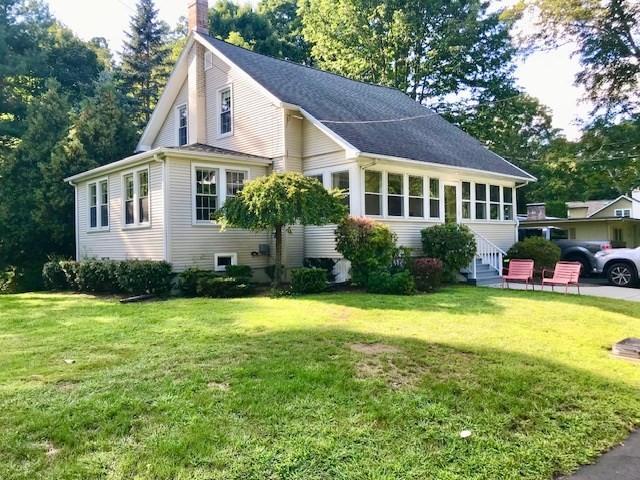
(450, 203)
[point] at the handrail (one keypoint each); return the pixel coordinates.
(489, 254)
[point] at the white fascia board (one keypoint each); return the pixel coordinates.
(171, 90)
(444, 167)
(159, 154)
(272, 98)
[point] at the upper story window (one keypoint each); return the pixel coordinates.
(623, 212)
(136, 198)
(208, 61)
(99, 204)
(225, 123)
(206, 193)
(372, 193)
(340, 180)
(183, 126)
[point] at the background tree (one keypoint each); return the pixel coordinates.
(286, 21)
(279, 200)
(607, 36)
(144, 69)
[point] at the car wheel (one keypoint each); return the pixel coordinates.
(621, 275)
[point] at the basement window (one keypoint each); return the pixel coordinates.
(222, 260)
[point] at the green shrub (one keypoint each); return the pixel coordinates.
(70, 270)
(427, 273)
(327, 264)
(544, 253)
(140, 277)
(223, 287)
(53, 276)
(400, 283)
(370, 246)
(239, 271)
(188, 280)
(97, 276)
(308, 280)
(8, 281)
(26, 278)
(451, 243)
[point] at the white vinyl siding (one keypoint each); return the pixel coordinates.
(118, 242)
(168, 135)
(192, 244)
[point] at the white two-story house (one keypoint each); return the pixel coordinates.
(229, 115)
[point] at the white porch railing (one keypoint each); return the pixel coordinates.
(488, 253)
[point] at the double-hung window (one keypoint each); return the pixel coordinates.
(225, 112)
(494, 202)
(137, 203)
(481, 201)
(466, 200)
(507, 194)
(622, 212)
(416, 196)
(395, 195)
(340, 180)
(206, 193)
(434, 198)
(99, 205)
(235, 182)
(372, 192)
(317, 177)
(183, 128)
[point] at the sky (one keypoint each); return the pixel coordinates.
(549, 75)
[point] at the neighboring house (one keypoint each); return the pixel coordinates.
(229, 115)
(616, 221)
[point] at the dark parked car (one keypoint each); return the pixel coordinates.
(583, 252)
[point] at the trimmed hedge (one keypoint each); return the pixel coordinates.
(108, 276)
(308, 280)
(188, 280)
(427, 273)
(400, 283)
(223, 287)
(239, 271)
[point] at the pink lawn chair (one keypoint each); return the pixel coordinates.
(519, 271)
(565, 273)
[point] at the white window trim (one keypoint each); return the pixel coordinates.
(403, 196)
(425, 207)
(136, 225)
(221, 187)
(355, 186)
(229, 87)
(234, 260)
(99, 227)
(177, 122)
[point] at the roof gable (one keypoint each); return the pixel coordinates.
(608, 210)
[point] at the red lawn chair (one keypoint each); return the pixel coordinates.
(519, 271)
(565, 273)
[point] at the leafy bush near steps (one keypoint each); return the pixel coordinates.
(427, 273)
(453, 244)
(308, 280)
(400, 283)
(544, 253)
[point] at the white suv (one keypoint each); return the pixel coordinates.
(620, 265)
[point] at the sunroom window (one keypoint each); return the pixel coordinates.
(466, 200)
(235, 182)
(129, 188)
(507, 193)
(340, 180)
(434, 198)
(395, 195)
(481, 201)
(372, 193)
(143, 196)
(416, 196)
(206, 199)
(93, 205)
(494, 202)
(136, 198)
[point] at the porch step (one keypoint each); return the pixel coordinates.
(485, 275)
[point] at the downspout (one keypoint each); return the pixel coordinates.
(76, 219)
(162, 158)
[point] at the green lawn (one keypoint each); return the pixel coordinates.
(336, 386)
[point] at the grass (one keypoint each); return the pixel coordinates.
(335, 386)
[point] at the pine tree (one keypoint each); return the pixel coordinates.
(144, 68)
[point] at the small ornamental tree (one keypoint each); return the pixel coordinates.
(278, 201)
(453, 244)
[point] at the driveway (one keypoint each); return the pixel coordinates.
(596, 287)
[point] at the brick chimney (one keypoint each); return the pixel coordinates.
(536, 211)
(198, 16)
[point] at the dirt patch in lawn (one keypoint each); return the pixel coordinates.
(223, 387)
(50, 450)
(387, 363)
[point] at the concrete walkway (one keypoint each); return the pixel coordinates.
(621, 463)
(595, 287)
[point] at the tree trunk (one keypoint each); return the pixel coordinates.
(277, 275)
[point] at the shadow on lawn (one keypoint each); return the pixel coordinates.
(304, 404)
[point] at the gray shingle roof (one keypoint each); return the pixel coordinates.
(329, 97)
(202, 148)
